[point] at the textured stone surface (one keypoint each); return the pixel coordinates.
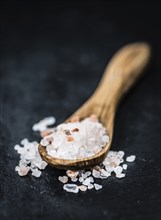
(52, 57)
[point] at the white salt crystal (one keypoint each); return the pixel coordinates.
(44, 142)
(42, 125)
(88, 173)
(120, 175)
(24, 141)
(124, 166)
(71, 188)
(130, 158)
(105, 174)
(118, 170)
(96, 173)
(16, 147)
(36, 173)
(83, 188)
(86, 182)
(90, 186)
(97, 186)
(81, 179)
(63, 179)
(91, 179)
(74, 179)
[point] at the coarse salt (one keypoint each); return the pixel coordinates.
(71, 188)
(97, 186)
(77, 139)
(72, 134)
(63, 179)
(130, 158)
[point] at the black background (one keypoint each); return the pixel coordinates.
(52, 57)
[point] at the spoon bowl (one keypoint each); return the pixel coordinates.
(126, 66)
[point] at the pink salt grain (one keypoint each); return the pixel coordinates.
(94, 118)
(74, 119)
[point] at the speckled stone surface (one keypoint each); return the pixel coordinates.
(52, 57)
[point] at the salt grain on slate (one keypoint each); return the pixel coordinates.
(124, 166)
(97, 186)
(63, 179)
(71, 188)
(83, 188)
(130, 158)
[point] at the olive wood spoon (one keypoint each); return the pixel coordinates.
(121, 73)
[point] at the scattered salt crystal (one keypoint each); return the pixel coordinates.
(87, 181)
(124, 166)
(96, 173)
(24, 141)
(30, 158)
(90, 186)
(120, 175)
(22, 170)
(83, 188)
(71, 188)
(88, 173)
(130, 158)
(74, 179)
(118, 170)
(81, 179)
(72, 173)
(43, 124)
(97, 186)
(16, 147)
(91, 179)
(63, 179)
(36, 173)
(105, 174)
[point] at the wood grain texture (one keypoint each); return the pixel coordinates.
(126, 66)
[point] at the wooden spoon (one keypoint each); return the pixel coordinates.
(123, 70)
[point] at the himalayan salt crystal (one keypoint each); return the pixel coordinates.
(71, 188)
(94, 118)
(22, 170)
(124, 166)
(70, 138)
(72, 173)
(46, 132)
(130, 158)
(75, 130)
(74, 119)
(83, 188)
(97, 186)
(63, 179)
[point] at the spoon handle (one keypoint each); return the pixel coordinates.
(125, 67)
